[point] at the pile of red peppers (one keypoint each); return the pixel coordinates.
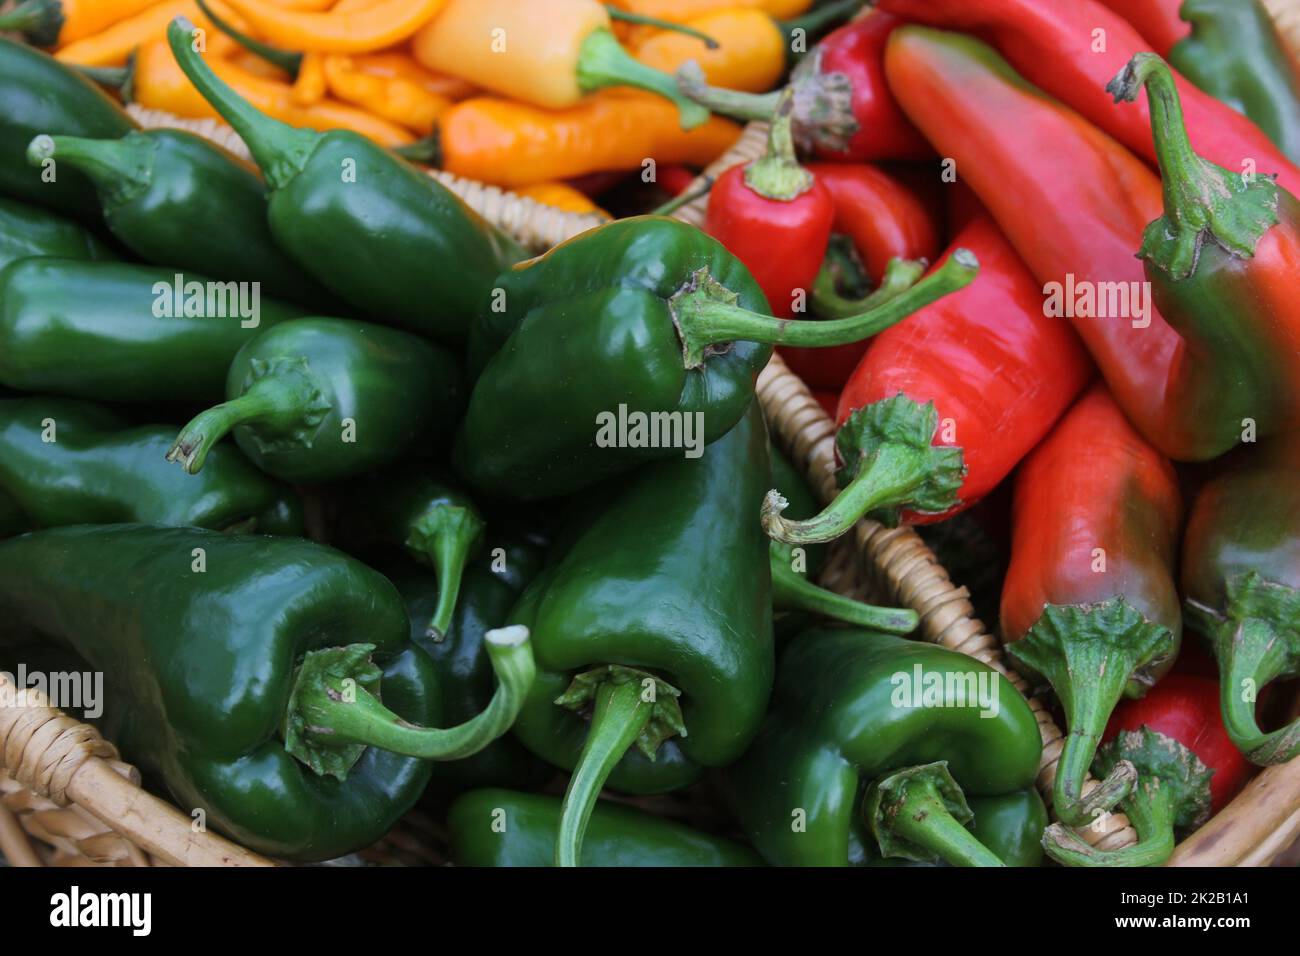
(1126, 365)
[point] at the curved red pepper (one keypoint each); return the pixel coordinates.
(999, 372)
(1075, 204)
(1072, 48)
(1157, 20)
(1090, 601)
(885, 220)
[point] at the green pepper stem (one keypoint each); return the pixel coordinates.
(620, 715)
(777, 175)
(1149, 810)
(111, 77)
(602, 62)
(691, 83)
(427, 150)
(40, 20)
(919, 813)
(626, 16)
(900, 275)
(286, 60)
(119, 168)
(278, 148)
(820, 18)
(446, 536)
(1251, 654)
(684, 198)
(791, 591)
(335, 713)
(285, 400)
(707, 317)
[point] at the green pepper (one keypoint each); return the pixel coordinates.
(385, 237)
(319, 400)
(178, 200)
(507, 828)
(660, 593)
(122, 333)
(1011, 826)
(38, 94)
(228, 675)
(627, 344)
(437, 524)
(918, 726)
(1234, 53)
(1241, 583)
(12, 519)
(66, 462)
(27, 231)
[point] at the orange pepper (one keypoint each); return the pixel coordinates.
(395, 98)
(682, 11)
(310, 86)
(398, 63)
(560, 196)
(750, 55)
(56, 22)
(513, 144)
(359, 30)
(159, 84)
(313, 5)
(252, 63)
(113, 46)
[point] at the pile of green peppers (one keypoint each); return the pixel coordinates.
(397, 532)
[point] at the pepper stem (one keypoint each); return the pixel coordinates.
(283, 399)
(920, 814)
(900, 275)
(889, 463)
(278, 148)
(778, 175)
(1092, 655)
(446, 536)
(708, 319)
(602, 62)
(821, 18)
(1172, 794)
(119, 168)
(628, 706)
(692, 84)
(791, 591)
(684, 198)
(626, 16)
(111, 77)
(41, 21)
(286, 60)
(334, 712)
(1202, 200)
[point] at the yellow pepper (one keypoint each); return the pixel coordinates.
(560, 196)
(114, 45)
(750, 56)
(310, 85)
(398, 98)
(514, 144)
(361, 29)
(547, 54)
(50, 23)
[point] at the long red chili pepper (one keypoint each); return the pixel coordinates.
(998, 372)
(1075, 204)
(775, 217)
(1187, 769)
(1157, 20)
(1071, 48)
(1090, 602)
(844, 110)
(885, 221)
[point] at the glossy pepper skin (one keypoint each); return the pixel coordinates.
(507, 828)
(1000, 372)
(1090, 601)
(1183, 382)
(1051, 42)
(849, 711)
(40, 95)
(637, 593)
(66, 462)
(647, 313)
(177, 200)
(1157, 20)
(1235, 55)
(135, 337)
(1241, 579)
(27, 231)
(885, 221)
(198, 667)
(383, 236)
(319, 400)
(358, 29)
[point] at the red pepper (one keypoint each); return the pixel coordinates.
(999, 372)
(1072, 48)
(844, 110)
(1090, 602)
(1075, 205)
(776, 217)
(674, 179)
(1157, 20)
(885, 220)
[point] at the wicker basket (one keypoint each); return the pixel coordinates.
(66, 798)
